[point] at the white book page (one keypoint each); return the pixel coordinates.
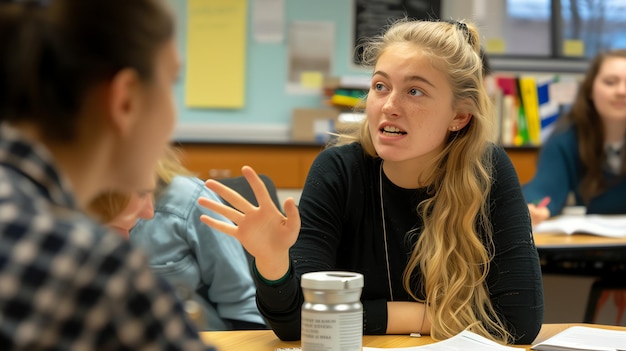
(585, 338)
(603, 225)
(464, 341)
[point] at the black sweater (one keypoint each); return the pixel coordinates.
(342, 230)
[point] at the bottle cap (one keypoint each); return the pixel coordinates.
(332, 280)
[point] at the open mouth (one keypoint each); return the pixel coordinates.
(392, 131)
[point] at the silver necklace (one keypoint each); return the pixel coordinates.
(382, 212)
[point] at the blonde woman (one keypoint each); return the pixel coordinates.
(418, 200)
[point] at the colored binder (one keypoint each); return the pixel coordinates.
(530, 102)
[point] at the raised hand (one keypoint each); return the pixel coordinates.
(538, 214)
(263, 230)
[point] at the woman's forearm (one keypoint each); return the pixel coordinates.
(407, 317)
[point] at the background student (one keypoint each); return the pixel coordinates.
(418, 200)
(190, 254)
(120, 211)
(585, 154)
(86, 106)
(204, 265)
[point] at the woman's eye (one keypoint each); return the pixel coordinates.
(379, 86)
(415, 92)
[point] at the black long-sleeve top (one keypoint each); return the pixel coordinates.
(342, 230)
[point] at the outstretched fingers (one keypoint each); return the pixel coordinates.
(258, 187)
(224, 227)
(218, 207)
(231, 196)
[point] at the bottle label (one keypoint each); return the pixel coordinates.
(332, 331)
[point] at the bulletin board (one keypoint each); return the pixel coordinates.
(372, 16)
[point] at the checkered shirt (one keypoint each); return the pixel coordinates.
(66, 283)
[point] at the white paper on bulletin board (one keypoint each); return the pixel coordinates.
(216, 53)
(268, 21)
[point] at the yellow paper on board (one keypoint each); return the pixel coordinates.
(311, 79)
(216, 53)
(573, 48)
(495, 46)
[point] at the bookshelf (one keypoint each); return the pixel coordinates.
(528, 105)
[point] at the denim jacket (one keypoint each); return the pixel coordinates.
(192, 255)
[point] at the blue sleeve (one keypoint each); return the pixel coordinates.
(556, 172)
(223, 266)
(184, 250)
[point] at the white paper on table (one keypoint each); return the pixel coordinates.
(464, 341)
(585, 338)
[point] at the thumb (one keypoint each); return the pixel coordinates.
(292, 213)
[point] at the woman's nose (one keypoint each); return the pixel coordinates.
(147, 208)
(391, 107)
(621, 89)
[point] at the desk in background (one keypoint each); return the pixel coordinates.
(265, 340)
(287, 164)
(587, 256)
(581, 254)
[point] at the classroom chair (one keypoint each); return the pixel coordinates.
(606, 292)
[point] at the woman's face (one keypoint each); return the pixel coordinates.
(139, 148)
(409, 106)
(140, 205)
(609, 89)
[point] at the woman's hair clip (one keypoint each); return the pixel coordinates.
(463, 28)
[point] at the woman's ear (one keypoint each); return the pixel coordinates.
(124, 100)
(460, 120)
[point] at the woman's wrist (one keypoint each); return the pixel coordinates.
(272, 270)
(275, 282)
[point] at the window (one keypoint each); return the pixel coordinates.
(551, 35)
(598, 24)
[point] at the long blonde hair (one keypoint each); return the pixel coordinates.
(451, 252)
(170, 166)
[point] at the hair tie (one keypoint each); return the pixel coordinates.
(463, 28)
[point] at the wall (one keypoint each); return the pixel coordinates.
(267, 112)
(267, 109)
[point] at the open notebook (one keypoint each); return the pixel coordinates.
(584, 339)
(613, 226)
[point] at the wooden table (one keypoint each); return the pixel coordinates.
(581, 254)
(550, 240)
(265, 340)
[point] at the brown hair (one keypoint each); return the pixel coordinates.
(590, 130)
(59, 51)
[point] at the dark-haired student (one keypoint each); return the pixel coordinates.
(85, 106)
(586, 154)
(418, 200)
